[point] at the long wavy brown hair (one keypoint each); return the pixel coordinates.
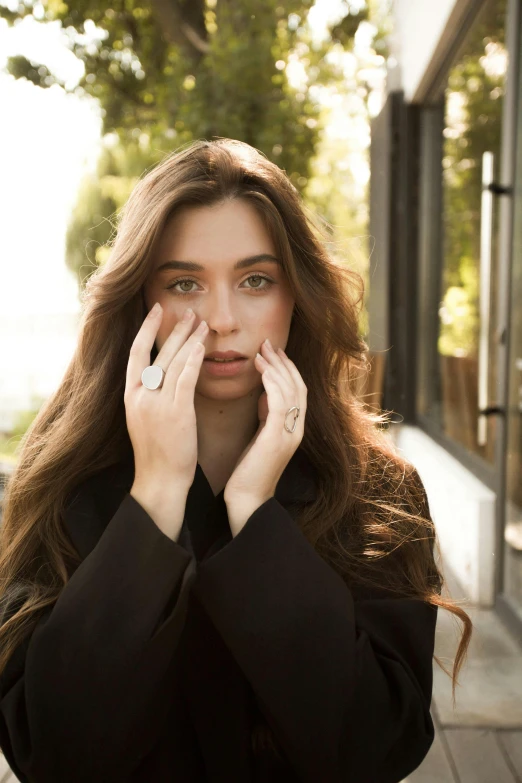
(370, 519)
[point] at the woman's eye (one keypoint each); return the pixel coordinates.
(257, 287)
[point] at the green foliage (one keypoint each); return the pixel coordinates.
(345, 30)
(9, 445)
(191, 70)
(100, 197)
(165, 74)
(328, 192)
(459, 323)
(21, 67)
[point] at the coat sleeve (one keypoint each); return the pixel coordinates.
(83, 698)
(345, 684)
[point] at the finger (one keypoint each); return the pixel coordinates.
(296, 397)
(177, 363)
(275, 360)
(174, 341)
(294, 372)
(286, 379)
(276, 399)
(139, 354)
(188, 377)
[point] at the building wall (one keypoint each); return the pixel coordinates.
(424, 30)
(463, 508)
(463, 511)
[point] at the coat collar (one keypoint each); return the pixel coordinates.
(90, 507)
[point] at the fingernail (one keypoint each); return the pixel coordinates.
(155, 310)
(187, 315)
(269, 344)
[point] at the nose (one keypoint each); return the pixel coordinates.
(220, 312)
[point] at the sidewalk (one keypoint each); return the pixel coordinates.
(481, 740)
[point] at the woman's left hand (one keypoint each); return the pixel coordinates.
(262, 463)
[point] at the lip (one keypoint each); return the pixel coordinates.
(224, 369)
(224, 355)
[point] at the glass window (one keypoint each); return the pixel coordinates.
(459, 239)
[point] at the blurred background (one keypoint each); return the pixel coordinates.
(91, 95)
(400, 123)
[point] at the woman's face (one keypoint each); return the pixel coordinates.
(195, 267)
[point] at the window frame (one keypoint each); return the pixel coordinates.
(429, 249)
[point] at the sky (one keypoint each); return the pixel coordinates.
(48, 139)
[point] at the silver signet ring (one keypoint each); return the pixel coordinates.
(152, 376)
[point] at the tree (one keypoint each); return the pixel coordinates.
(180, 69)
(169, 71)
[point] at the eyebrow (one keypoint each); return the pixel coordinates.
(192, 266)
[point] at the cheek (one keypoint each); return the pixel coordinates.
(274, 324)
(277, 315)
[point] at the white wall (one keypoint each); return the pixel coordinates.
(463, 510)
(423, 32)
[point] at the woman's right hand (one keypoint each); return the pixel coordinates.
(162, 422)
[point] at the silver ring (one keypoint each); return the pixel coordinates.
(296, 416)
(152, 376)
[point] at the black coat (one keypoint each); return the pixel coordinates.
(154, 661)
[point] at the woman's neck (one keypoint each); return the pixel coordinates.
(225, 428)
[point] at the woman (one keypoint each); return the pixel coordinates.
(210, 571)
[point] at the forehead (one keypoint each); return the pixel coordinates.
(223, 232)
